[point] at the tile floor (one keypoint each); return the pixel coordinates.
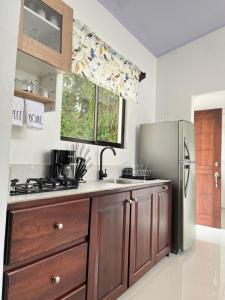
(198, 274)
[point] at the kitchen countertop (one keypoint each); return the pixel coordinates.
(86, 188)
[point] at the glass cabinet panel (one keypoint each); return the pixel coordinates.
(43, 24)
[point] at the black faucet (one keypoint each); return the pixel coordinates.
(101, 174)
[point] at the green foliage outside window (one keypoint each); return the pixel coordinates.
(79, 102)
(108, 116)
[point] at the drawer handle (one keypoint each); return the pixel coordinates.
(56, 279)
(165, 188)
(59, 226)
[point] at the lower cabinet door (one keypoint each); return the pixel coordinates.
(108, 248)
(50, 278)
(163, 225)
(141, 234)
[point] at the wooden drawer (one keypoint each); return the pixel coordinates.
(79, 294)
(36, 281)
(35, 231)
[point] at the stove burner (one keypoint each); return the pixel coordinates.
(40, 185)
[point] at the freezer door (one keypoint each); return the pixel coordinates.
(187, 200)
(158, 146)
(186, 141)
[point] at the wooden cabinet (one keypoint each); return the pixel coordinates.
(47, 245)
(79, 294)
(150, 226)
(46, 249)
(37, 230)
(141, 233)
(50, 278)
(108, 253)
(46, 32)
(146, 214)
(163, 221)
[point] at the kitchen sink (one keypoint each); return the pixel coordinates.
(123, 181)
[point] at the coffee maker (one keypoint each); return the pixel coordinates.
(63, 165)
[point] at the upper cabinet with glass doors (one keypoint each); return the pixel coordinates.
(46, 32)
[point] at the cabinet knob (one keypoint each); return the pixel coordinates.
(56, 279)
(59, 226)
(128, 201)
(135, 200)
(165, 188)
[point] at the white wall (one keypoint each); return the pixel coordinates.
(30, 147)
(9, 19)
(213, 101)
(194, 69)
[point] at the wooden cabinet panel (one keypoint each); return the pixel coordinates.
(141, 240)
(163, 222)
(129, 233)
(108, 252)
(61, 60)
(79, 294)
(37, 230)
(39, 280)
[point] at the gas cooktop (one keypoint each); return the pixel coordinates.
(40, 185)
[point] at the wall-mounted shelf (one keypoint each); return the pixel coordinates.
(36, 76)
(32, 96)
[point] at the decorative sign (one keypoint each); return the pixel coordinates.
(18, 111)
(34, 114)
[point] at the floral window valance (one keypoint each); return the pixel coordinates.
(97, 61)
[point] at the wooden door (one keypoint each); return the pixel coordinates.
(108, 252)
(208, 125)
(162, 233)
(141, 242)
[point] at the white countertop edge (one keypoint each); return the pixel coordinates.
(84, 188)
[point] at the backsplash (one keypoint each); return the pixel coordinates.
(24, 171)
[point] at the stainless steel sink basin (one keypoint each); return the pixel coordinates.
(123, 181)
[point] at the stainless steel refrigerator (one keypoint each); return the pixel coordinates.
(170, 150)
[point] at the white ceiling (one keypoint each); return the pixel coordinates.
(164, 25)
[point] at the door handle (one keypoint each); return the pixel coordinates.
(187, 150)
(217, 176)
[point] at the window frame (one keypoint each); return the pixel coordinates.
(95, 129)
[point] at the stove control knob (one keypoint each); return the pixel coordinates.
(56, 279)
(14, 182)
(59, 226)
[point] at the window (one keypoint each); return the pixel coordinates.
(91, 114)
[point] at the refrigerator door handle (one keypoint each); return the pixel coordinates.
(186, 148)
(187, 180)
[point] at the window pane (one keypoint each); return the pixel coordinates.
(110, 109)
(78, 108)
